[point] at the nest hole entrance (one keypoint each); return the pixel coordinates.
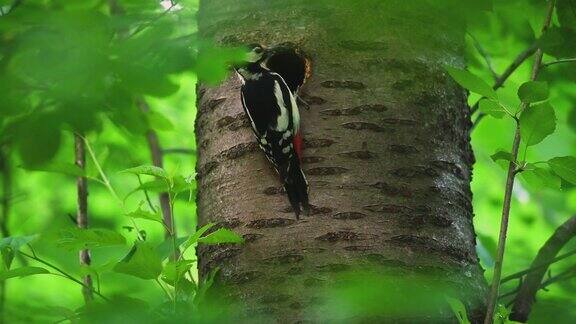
(291, 63)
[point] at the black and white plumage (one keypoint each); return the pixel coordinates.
(275, 119)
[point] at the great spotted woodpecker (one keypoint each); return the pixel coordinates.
(275, 119)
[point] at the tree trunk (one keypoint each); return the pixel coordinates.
(387, 154)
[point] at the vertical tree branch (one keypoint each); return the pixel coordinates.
(526, 296)
(82, 214)
(157, 160)
(6, 194)
(512, 171)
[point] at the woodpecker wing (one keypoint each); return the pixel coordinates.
(273, 114)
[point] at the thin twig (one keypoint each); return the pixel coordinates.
(482, 51)
(178, 151)
(64, 273)
(157, 161)
(147, 195)
(567, 60)
(108, 185)
(509, 70)
(495, 287)
(564, 275)
(520, 274)
(82, 213)
(153, 21)
(529, 287)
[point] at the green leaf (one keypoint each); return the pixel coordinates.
(572, 119)
(194, 237)
(166, 248)
(203, 288)
(533, 91)
(540, 177)
(144, 214)
(564, 167)
(16, 242)
(492, 108)
(566, 10)
(458, 309)
(142, 261)
(471, 82)
(537, 122)
(174, 271)
(70, 169)
(22, 272)
(502, 155)
(148, 170)
(159, 122)
(221, 235)
(77, 239)
(7, 254)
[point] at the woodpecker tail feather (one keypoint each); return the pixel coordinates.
(296, 187)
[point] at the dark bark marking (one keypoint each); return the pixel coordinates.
(355, 110)
(387, 208)
(392, 190)
(349, 215)
(313, 282)
(313, 159)
(384, 261)
(358, 248)
(238, 150)
(358, 45)
(312, 100)
(274, 299)
(367, 126)
(402, 85)
(213, 103)
(244, 277)
(324, 171)
(318, 142)
(360, 155)
(414, 172)
(295, 271)
(233, 123)
(223, 253)
(333, 267)
(229, 223)
(340, 236)
(335, 84)
(403, 149)
(399, 121)
(270, 223)
(453, 168)
(417, 220)
(427, 99)
(251, 237)
(271, 191)
(205, 169)
(314, 210)
(433, 246)
(284, 259)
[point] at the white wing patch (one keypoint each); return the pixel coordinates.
(283, 118)
(295, 112)
(248, 113)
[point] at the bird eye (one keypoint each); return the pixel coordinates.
(258, 50)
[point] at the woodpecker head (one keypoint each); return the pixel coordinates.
(257, 53)
(253, 65)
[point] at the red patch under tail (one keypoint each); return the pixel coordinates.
(298, 145)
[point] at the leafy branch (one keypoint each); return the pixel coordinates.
(512, 171)
(529, 287)
(34, 257)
